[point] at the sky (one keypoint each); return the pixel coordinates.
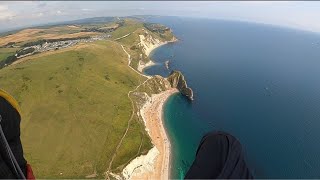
(303, 15)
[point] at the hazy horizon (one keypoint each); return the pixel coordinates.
(297, 14)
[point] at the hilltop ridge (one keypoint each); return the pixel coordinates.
(90, 91)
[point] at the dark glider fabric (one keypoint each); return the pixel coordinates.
(10, 124)
(219, 156)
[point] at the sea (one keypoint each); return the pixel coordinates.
(260, 83)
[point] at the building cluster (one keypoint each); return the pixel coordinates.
(48, 46)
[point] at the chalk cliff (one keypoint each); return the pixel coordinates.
(177, 80)
(149, 42)
(142, 97)
(158, 84)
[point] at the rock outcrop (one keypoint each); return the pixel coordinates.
(177, 80)
(142, 95)
(158, 84)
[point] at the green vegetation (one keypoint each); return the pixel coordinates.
(134, 28)
(163, 32)
(6, 52)
(154, 27)
(9, 60)
(75, 110)
(129, 26)
(104, 28)
(154, 85)
(58, 31)
(78, 116)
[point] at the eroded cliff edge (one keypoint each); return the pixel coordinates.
(157, 84)
(152, 93)
(145, 95)
(177, 80)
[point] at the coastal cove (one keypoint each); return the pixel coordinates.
(148, 99)
(254, 81)
(134, 143)
(154, 86)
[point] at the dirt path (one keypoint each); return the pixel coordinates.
(152, 115)
(122, 37)
(132, 114)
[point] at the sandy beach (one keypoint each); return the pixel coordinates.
(156, 163)
(152, 114)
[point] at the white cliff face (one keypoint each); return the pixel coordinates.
(141, 164)
(149, 43)
(157, 84)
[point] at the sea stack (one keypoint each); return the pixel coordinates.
(177, 80)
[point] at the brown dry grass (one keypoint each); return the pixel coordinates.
(30, 35)
(17, 37)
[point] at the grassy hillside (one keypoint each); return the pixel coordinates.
(77, 117)
(75, 109)
(135, 28)
(5, 52)
(29, 35)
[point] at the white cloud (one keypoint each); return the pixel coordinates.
(5, 14)
(302, 15)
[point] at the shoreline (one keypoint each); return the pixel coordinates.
(167, 143)
(152, 115)
(156, 163)
(148, 52)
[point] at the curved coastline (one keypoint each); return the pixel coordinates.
(163, 99)
(151, 50)
(152, 113)
(156, 163)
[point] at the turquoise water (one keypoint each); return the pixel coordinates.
(260, 83)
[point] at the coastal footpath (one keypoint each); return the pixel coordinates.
(123, 137)
(149, 98)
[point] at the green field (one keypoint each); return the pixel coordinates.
(77, 117)
(129, 27)
(5, 52)
(75, 109)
